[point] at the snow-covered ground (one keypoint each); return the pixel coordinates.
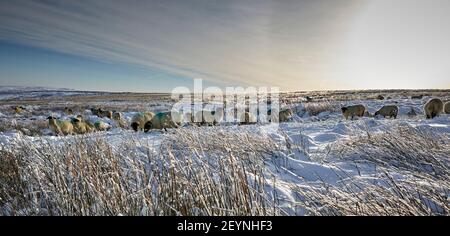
(307, 155)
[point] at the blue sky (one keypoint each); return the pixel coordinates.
(22, 65)
(155, 46)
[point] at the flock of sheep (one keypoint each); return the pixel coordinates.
(145, 121)
(432, 108)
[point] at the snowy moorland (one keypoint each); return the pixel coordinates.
(317, 163)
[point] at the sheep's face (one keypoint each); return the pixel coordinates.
(76, 120)
(117, 116)
(51, 120)
(135, 126)
(147, 126)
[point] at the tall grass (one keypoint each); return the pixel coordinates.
(404, 148)
(222, 171)
(420, 154)
(187, 176)
(30, 128)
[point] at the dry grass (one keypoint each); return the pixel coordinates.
(404, 148)
(220, 171)
(30, 128)
(84, 176)
(389, 197)
(419, 154)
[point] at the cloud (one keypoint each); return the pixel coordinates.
(277, 43)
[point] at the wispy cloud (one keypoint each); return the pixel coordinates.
(284, 43)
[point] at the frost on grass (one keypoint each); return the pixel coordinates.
(411, 177)
(190, 174)
(229, 170)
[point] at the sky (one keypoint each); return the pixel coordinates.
(155, 46)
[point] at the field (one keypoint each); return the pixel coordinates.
(317, 163)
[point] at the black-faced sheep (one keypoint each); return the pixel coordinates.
(60, 126)
(140, 119)
(206, 117)
(352, 111)
(68, 111)
(164, 120)
(283, 116)
(388, 111)
(433, 108)
(80, 126)
(18, 109)
(117, 116)
(96, 111)
(104, 113)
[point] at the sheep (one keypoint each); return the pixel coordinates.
(163, 120)
(199, 117)
(80, 126)
(188, 118)
(96, 111)
(380, 97)
(352, 111)
(206, 117)
(18, 109)
(68, 111)
(433, 108)
(447, 108)
(140, 119)
(389, 110)
(104, 113)
(101, 125)
(283, 115)
(117, 116)
(60, 126)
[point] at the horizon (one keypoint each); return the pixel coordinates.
(168, 92)
(153, 47)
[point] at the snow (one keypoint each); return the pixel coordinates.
(315, 133)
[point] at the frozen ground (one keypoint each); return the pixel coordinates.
(310, 155)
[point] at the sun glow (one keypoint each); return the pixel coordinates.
(398, 44)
